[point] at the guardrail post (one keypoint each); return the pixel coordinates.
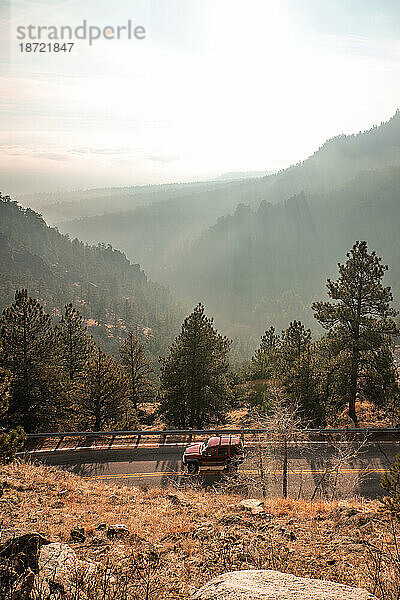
(59, 442)
(242, 436)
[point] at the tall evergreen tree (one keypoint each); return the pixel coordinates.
(194, 377)
(138, 370)
(264, 363)
(300, 382)
(101, 393)
(287, 364)
(296, 340)
(298, 374)
(361, 318)
(30, 352)
(76, 346)
(332, 368)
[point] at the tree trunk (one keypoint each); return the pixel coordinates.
(133, 374)
(285, 468)
(71, 353)
(133, 395)
(97, 424)
(355, 359)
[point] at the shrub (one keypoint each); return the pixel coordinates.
(11, 442)
(391, 484)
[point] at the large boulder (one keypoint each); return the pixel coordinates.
(61, 573)
(274, 585)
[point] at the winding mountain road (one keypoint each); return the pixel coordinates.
(318, 466)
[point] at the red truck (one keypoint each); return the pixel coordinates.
(219, 452)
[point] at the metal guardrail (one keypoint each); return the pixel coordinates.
(188, 432)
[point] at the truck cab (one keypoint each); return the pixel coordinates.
(222, 452)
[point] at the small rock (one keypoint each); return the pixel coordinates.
(97, 540)
(78, 534)
(174, 499)
(343, 512)
(253, 505)
(117, 530)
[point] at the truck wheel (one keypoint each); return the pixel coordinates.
(193, 468)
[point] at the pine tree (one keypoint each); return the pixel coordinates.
(296, 340)
(76, 346)
(264, 363)
(287, 364)
(298, 374)
(301, 386)
(332, 368)
(138, 370)
(194, 377)
(30, 352)
(101, 393)
(361, 318)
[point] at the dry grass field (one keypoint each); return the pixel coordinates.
(180, 538)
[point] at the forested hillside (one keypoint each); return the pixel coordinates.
(257, 251)
(154, 232)
(112, 294)
(268, 264)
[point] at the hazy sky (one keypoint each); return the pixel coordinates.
(218, 85)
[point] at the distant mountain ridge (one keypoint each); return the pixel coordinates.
(234, 175)
(58, 206)
(267, 265)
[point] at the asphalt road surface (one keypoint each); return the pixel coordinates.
(317, 467)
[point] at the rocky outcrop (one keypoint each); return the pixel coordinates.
(23, 551)
(19, 564)
(274, 585)
(32, 568)
(61, 571)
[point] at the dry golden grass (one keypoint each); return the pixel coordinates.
(197, 534)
